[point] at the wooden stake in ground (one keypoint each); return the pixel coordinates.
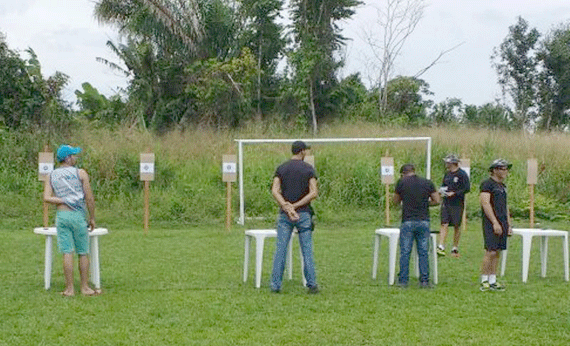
(531, 180)
(387, 178)
(45, 167)
(229, 175)
(147, 175)
(465, 165)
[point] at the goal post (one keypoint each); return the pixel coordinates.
(242, 142)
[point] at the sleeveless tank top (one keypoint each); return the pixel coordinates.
(67, 185)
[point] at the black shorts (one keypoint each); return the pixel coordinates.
(451, 214)
(494, 242)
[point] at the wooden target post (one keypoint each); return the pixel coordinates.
(45, 167)
(146, 175)
(229, 175)
(465, 165)
(387, 178)
(531, 180)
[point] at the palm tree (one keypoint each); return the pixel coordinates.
(171, 26)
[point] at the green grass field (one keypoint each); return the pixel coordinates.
(184, 287)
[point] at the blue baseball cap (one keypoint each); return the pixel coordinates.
(65, 150)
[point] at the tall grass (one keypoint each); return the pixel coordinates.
(188, 187)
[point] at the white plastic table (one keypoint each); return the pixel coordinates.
(526, 235)
(51, 232)
(259, 235)
(393, 235)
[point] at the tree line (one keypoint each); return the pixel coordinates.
(215, 63)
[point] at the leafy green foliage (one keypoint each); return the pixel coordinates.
(405, 98)
(222, 90)
(517, 69)
(97, 107)
(264, 37)
(27, 100)
(555, 78)
(316, 38)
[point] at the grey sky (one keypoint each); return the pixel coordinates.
(67, 38)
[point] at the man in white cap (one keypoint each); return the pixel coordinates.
(69, 189)
(453, 188)
(496, 223)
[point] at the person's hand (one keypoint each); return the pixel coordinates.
(497, 229)
(290, 211)
(293, 216)
(451, 194)
(510, 231)
(91, 224)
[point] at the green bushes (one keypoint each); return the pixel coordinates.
(188, 187)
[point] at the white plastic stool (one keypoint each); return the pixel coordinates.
(527, 234)
(259, 235)
(393, 235)
(50, 232)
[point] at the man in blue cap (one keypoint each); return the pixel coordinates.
(294, 187)
(69, 189)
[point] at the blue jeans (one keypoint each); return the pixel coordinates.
(410, 230)
(284, 230)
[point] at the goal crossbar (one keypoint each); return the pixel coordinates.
(242, 142)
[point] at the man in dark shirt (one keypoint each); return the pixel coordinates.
(416, 195)
(496, 223)
(294, 187)
(453, 188)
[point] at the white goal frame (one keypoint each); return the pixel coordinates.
(242, 142)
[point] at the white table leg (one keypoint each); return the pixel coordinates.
(393, 239)
(543, 255)
(434, 254)
(302, 267)
(259, 243)
(415, 258)
(94, 262)
(503, 261)
(48, 262)
(375, 256)
(527, 242)
(246, 257)
(290, 258)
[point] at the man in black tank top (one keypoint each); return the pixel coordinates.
(294, 187)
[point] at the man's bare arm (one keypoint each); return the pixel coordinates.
(434, 198)
(49, 197)
(89, 199)
(485, 200)
(396, 199)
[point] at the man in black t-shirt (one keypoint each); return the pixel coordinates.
(294, 187)
(496, 223)
(416, 195)
(453, 188)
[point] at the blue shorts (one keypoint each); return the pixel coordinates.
(72, 233)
